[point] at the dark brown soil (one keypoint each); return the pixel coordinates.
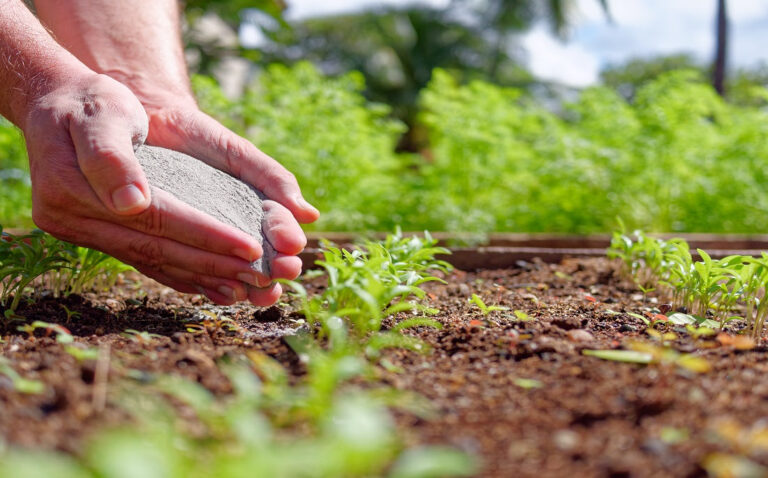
(582, 417)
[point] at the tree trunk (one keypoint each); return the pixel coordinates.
(721, 48)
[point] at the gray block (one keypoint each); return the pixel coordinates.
(209, 190)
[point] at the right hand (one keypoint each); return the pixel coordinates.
(89, 189)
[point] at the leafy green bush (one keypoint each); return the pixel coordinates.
(676, 159)
(340, 148)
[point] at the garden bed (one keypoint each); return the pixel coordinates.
(512, 387)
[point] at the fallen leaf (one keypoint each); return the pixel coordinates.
(739, 342)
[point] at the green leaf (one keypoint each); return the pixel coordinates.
(527, 383)
(433, 462)
(628, 356)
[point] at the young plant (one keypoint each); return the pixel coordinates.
(20, 384)
(488, 309)
(24, 259)
(140, 337)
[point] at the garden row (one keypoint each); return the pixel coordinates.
(331, 420)
(677, 158)
(371, 367)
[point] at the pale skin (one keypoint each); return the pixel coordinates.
(107, 77)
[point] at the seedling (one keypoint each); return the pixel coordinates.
(715, 291)
(71, 314)
(24, 259)
(141, 337)
(527, 383)
(81, 354)
(522, 316)
(488, 309)
(62, 267)
(63, 335)
(20, 384)
(213, 323)
(645, 353)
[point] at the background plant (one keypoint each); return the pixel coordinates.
(712, 291)
(61, 267)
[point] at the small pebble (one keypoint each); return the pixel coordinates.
(565, 440)
(579, 335)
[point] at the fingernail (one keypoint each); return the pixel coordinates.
(249, 255)
(127, 198)
(249, 278)
(264, 282)
(305, 205)
(227, 292)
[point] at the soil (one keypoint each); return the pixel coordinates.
(581, 417)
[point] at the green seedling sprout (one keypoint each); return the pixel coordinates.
(141, 337)
(81, 353)
(20, 384)
(71, 314)
(488, 309)
(520, 315)
(23, 259)
(62, 267)
(63, 335)
(714, 291)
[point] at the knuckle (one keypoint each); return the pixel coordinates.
(209, 267)
(153, 220)
(288, 180)
(234, 152)
(148, 252)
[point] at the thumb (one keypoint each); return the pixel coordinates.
(106, 158)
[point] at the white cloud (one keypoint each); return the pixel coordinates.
(299, 9)
(567, 63)
(640, 28)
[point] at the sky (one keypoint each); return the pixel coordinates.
(639, 28)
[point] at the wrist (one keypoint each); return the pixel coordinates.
(43, 81)
(155, 94)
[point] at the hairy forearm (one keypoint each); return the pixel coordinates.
(31, 62)
(138, 43)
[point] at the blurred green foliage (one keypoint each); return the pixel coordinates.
(340, 148)
(15, 186)
(676, 158)
(397, 48)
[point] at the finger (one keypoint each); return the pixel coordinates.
(105, 157)
(286, 267)
(137, 247)
(201, 136)
(173, 219)
(281, 229)
(225, 289)
(167, 281)
(266, 296)
(214, 296)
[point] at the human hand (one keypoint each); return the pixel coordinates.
(88, 188)
(175, 122)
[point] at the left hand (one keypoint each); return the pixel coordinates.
(181, 126)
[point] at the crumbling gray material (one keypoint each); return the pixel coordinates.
(209, 190)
